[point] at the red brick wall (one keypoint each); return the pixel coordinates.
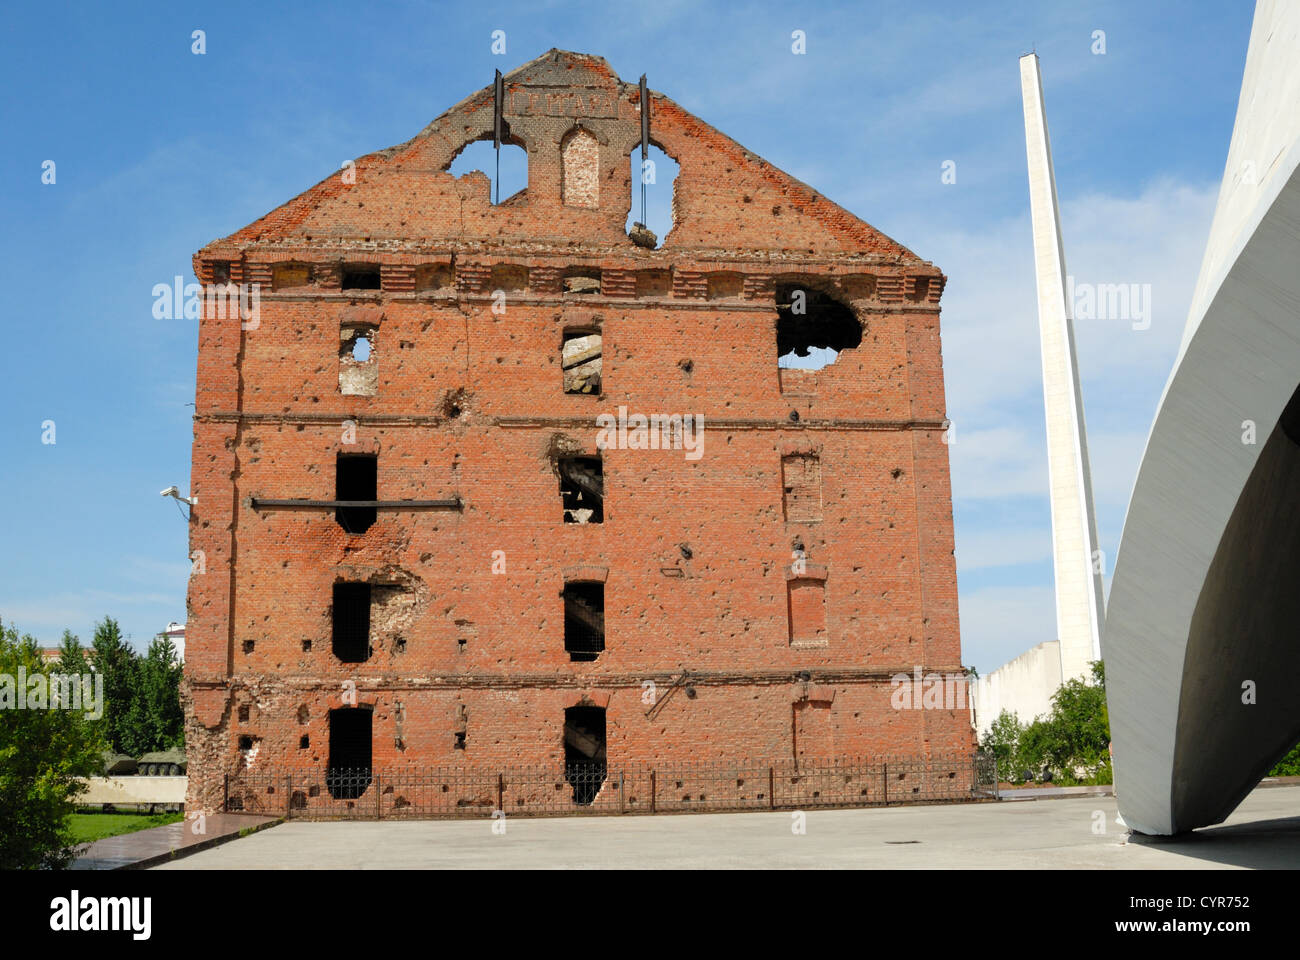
(270, 420)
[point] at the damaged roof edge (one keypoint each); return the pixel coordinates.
(806, 199)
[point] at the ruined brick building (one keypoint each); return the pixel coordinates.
(424, 555)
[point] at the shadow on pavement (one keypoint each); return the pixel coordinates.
(1262, 845)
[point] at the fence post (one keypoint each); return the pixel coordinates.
(501, 791)
(621, 806)
(379, 797)
(225, 793)
(288, 795)
(885, 780)
(771, 788)
(997, 793)
(652, 791)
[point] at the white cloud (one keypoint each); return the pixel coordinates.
(993, 372)
(981, 549)
(991, 355)
(139, 568)
(1000, 623)
(998, 461)
(990, 329)
(1157, 238)
(46, 617)
(1006, 464)
(1114, 456)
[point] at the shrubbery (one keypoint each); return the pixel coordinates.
(45, 755)
(142, 703)
(1070, 745)
(1072, 742)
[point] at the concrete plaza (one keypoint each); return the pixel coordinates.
(1264, 832)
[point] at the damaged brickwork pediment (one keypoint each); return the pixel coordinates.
(565, 99)
(564, 68)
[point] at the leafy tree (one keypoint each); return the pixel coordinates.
(1071, 743)
(115, 659)
(1288, 766)
(45, 755)
(1002, 742)
(142, 701)
(72, 655)
(155, 714)
(1077, 735)
(1034, 747)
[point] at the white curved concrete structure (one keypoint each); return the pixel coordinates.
(1205, 599)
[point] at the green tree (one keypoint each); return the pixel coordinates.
(1002, 742)
(1034, 748)
(1079, 730)
(142, 700)
(72, 655)
(155, 713)
(115, 659)
(45, 756)
(1288, 766)
(1071, 743)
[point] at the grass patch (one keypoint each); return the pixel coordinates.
(96, 826)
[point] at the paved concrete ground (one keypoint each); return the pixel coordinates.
(1042, 834)
(146, 847)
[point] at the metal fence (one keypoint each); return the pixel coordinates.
(424, 793)
(986, 776)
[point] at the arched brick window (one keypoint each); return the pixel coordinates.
(580, 153)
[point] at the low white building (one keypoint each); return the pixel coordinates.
(1023, 686)
(175, 632)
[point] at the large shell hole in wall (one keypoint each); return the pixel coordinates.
(658, 175)
(512, 182)
(812, 327)
(358, 369)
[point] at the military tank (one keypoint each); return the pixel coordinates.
(163, 763)
(118, 764)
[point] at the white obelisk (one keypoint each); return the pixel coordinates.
(1077, 558)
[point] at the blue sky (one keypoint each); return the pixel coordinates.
(159, 151)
